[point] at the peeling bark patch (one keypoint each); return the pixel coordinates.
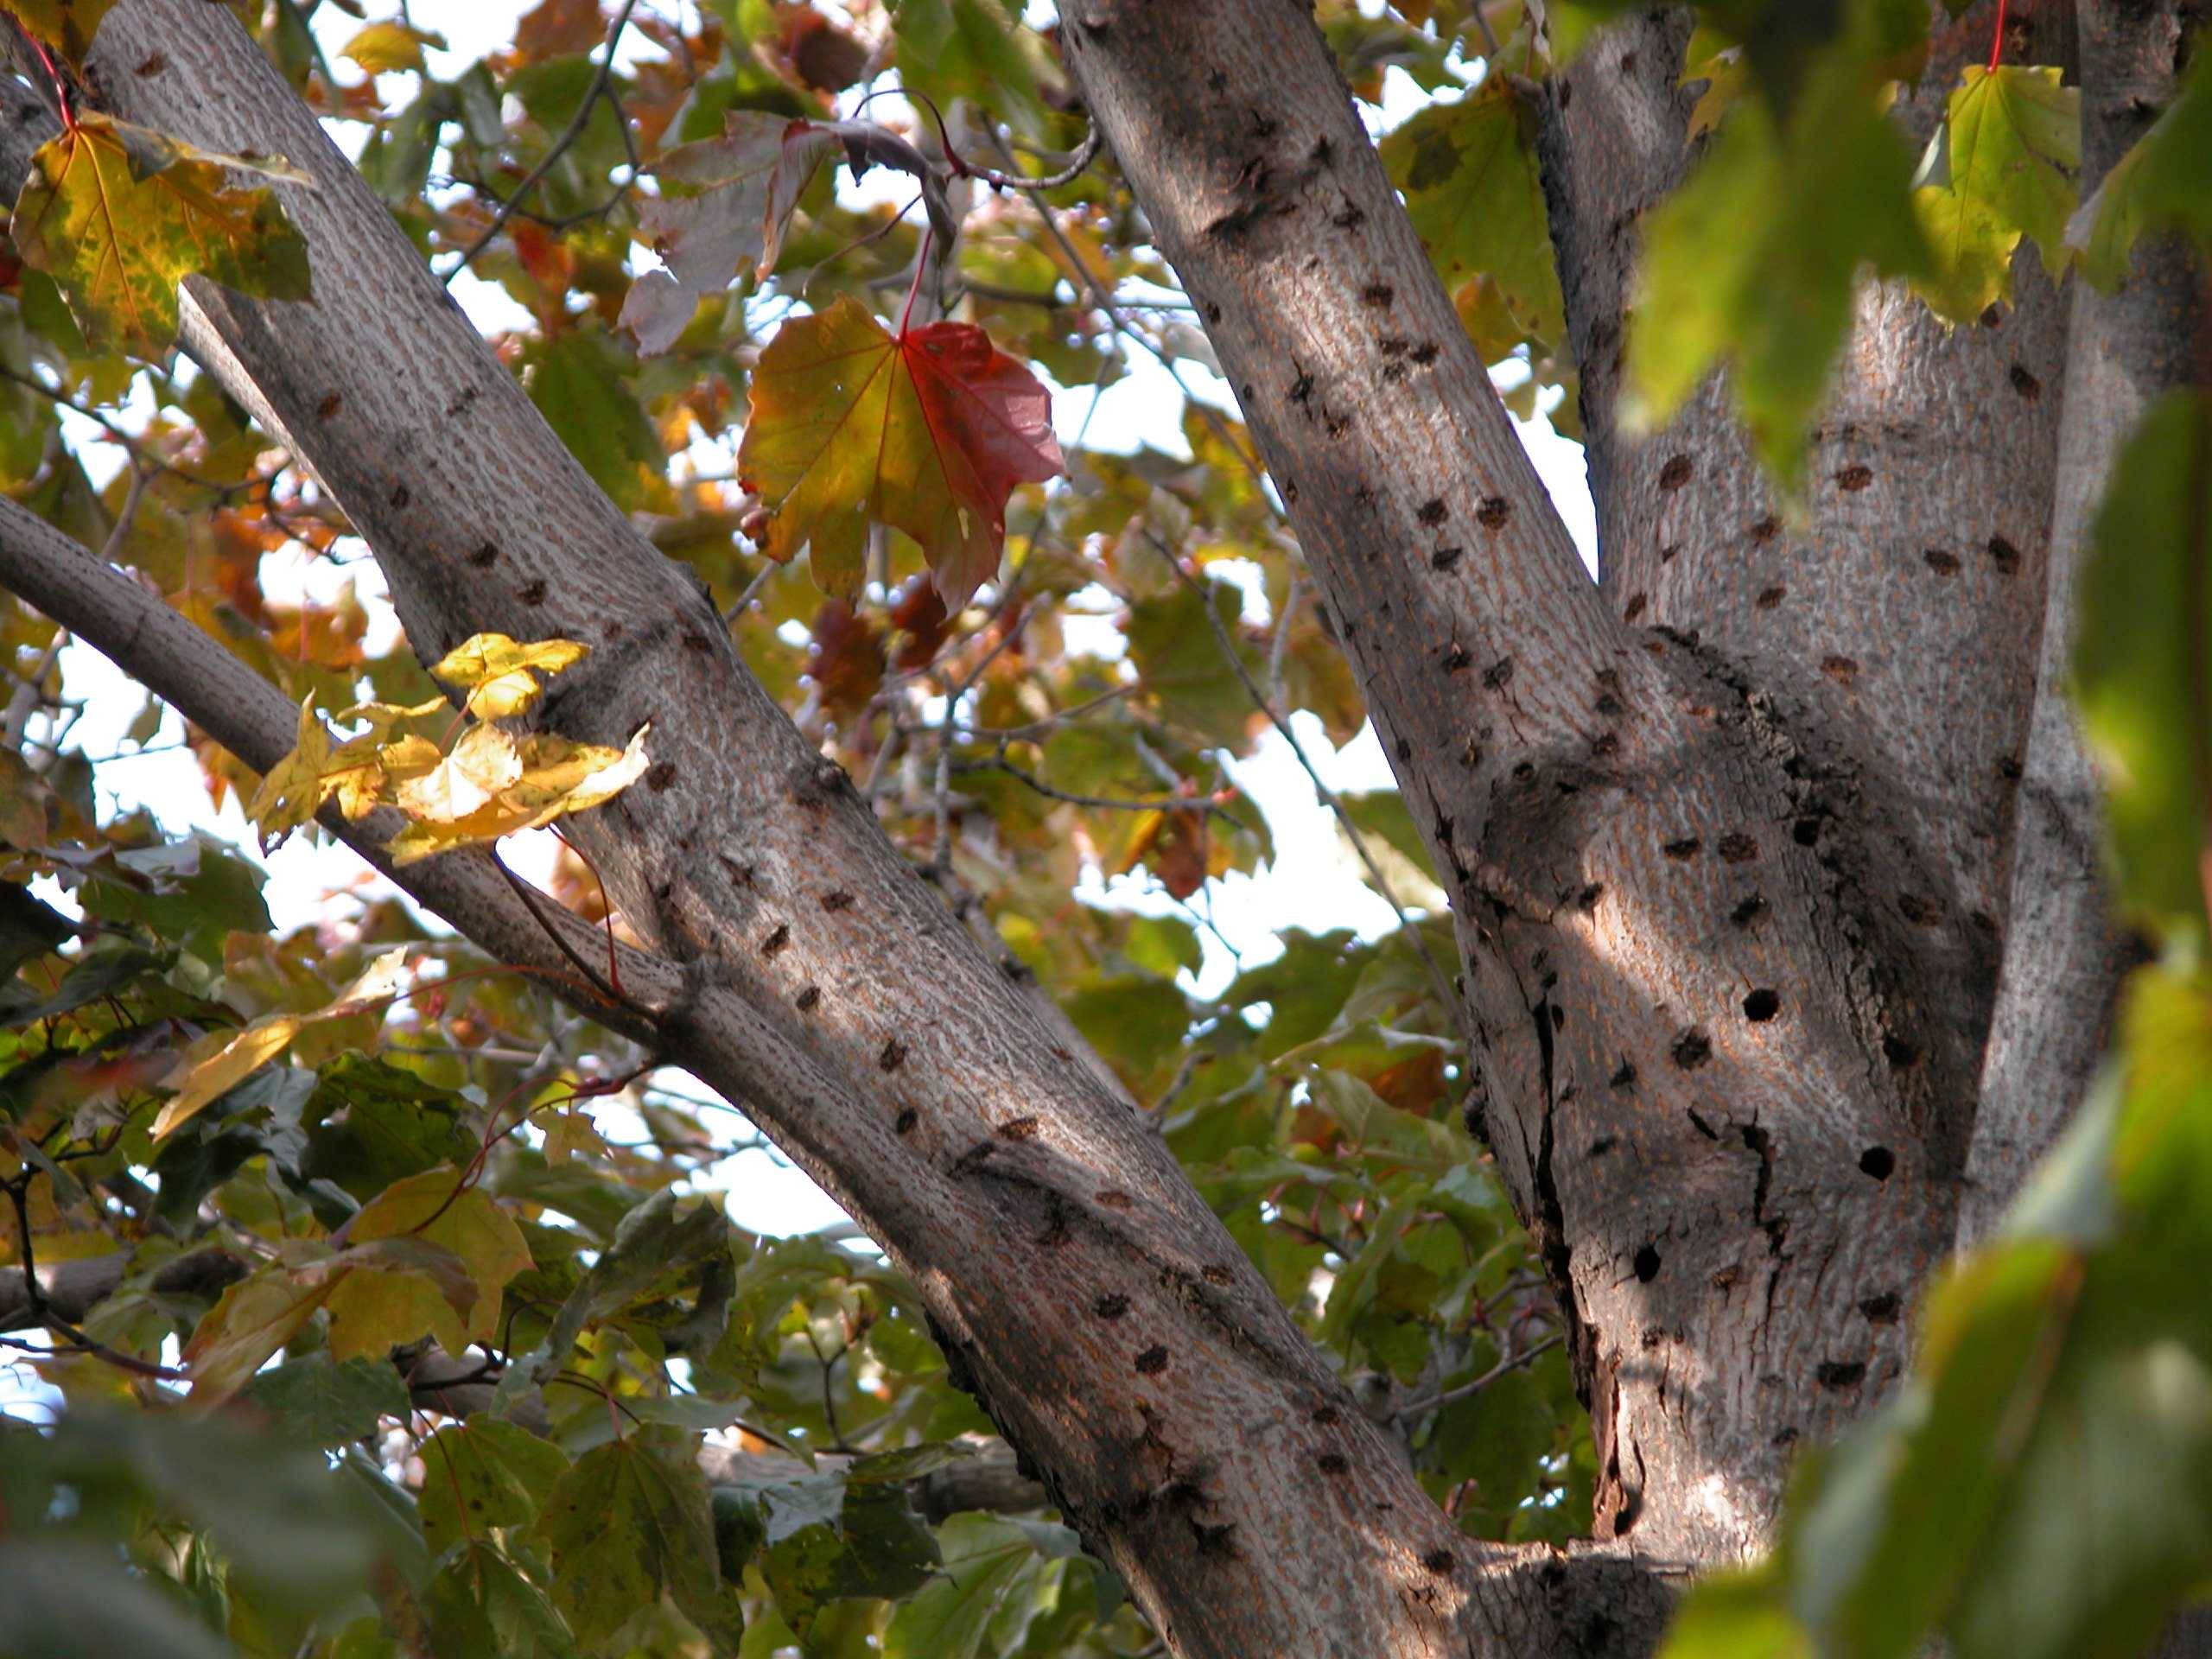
(1770, 597)
(1762, 1005)
(1152, 1361)
(1635, 608)
(1214, 1274)
(776, 940)
(837, 902)
(1942, 564)
(893, 1055)
(1883, 1308)
(1424, 354)
(1684, 846)
(329, 406)
(1110, 1306)
(2025, 384)
(1334, 1463)
(2003, 556)
(153, 66)
(906, 1121)
(1691, 1049)
(660, 775)
(1736, 848)
(1112, 1198)
(1878, 1162)
(1842, 670)
(1439, 1561)
(1493, 512)
(1676, 473)
(1498, 675)
(1434, 512)
(1378, 293)
(1646, 1264)
(1840, 1373)
(485, 557)
(1444, 557)
(808, 998)
(1019, 1128)
(1325, 1416)
(1455, 658)
(1854, 479)
(534, 591)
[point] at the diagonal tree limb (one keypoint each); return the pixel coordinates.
(1078, 1283)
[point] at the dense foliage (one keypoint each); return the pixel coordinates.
(499, 1369)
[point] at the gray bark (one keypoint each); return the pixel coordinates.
(1731, 834)
(1079, 1285)
(2055, 1000)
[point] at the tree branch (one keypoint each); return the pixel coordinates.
(2054, 998)
(1418, 509)
(1078, 1284)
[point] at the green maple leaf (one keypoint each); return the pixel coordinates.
(1468, 174)
(2005, 159)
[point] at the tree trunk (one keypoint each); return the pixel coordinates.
(1731, 833)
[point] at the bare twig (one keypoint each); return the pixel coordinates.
(560, 146)
(1512, 1362)
(1328, 796)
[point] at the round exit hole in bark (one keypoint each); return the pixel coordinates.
(1762, 1006)
(1878, 1162)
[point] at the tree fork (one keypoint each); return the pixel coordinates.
(1111, 1324)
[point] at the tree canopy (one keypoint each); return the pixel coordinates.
(391, 1304)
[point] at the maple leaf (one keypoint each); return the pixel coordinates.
(118, 240)
(492, 785)
(725, 203)
(67, 25)
(928, 430)
(496, 672)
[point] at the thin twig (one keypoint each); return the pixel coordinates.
(1329, 799)
(560, 146)
(1162, 804)
(1086, 153)
(1437, 1402)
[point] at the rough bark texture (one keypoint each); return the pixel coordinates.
(1078, 1283)
(1731, 833)
(1716, 936)
(2055, 1000)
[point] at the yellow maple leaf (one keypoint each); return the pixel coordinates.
(496, 670)
(221, 1061)
(118, 239)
